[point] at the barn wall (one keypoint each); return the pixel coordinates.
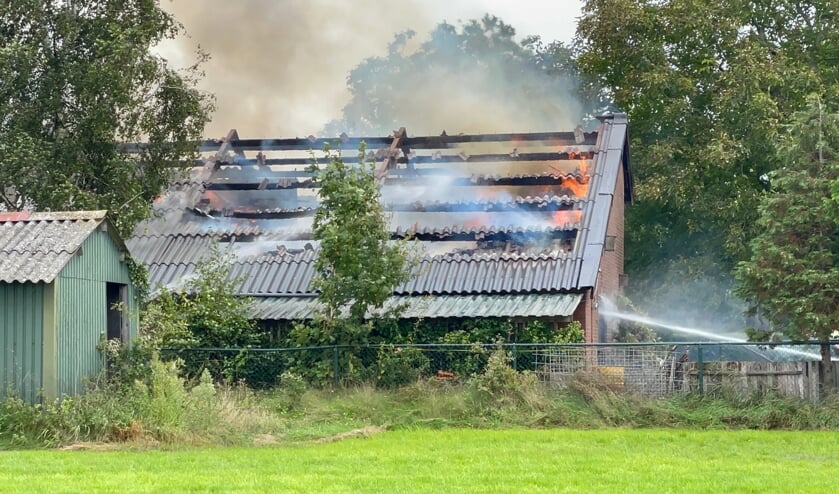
(21, 330)
(612, 262)
(82, 309)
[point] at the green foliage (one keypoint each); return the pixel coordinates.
(708, 87)
(26, 425)
(357, 265)
(793, 272)
(79, 82)
(499, 384)
(178, 413)
(215, 316)
(163, 323)
(162, 403)
(319, 366)
(205, 314)
(398, 366)
(126, 364)
(475, 330)
(529, 83)
(464, 361)
(290, 390)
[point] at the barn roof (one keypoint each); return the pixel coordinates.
(35, 247)
(493, 214)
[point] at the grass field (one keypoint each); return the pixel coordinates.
(637, 461)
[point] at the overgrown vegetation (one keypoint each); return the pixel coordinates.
(792, 273)
(203, 313)
(162, 408)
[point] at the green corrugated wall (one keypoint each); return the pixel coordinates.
(21, 324)
(81, 309)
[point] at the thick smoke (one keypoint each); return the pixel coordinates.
(279, 67)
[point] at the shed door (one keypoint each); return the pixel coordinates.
(117, 295)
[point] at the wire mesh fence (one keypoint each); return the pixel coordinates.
(647, 370)
(650, 369)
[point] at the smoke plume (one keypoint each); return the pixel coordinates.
(279, 67)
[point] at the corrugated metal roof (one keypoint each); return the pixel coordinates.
(175, 249)
(452, 274)
(454, 306)
(612, 140)
(476, 200)
(38, 246)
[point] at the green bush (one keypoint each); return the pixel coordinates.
(25, 425)
(398, 366)
(499, 384)
(463, 361)
(290, 391)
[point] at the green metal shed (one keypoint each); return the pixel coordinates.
(64, 286)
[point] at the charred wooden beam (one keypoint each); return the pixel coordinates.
(260, 184)
(436, 158)
(489, 207)
(513, 236)
(554, 138)
(279, 214)
(391, 155)
(302, 144)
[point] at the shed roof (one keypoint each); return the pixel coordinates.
(36, 246)
(448, 306)
(495, 214)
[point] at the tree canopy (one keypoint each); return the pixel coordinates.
(707, 86)
(79, 81)
(470, 78)
(793, 272)
(357, 265)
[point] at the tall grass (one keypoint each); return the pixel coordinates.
(165, 410)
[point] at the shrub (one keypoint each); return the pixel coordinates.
(398, 366)
(22, 424)
(290, 391)
(499, 384)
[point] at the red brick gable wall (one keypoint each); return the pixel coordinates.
(609, 277)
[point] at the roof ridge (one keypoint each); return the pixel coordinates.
(52, 216)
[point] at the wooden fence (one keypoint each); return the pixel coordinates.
(797, 379)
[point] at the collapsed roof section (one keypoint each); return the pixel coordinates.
(492, 213)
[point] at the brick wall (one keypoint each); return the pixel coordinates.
(611, 265)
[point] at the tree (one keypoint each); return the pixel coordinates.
(793, 272)
(475, 76)
(79, 81)
(707, 86)
(358, 266)
(206, 313)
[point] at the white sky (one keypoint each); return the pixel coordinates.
(279, 67)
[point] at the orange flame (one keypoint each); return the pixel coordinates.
(477, 221)
(576, 188)
(567, 217)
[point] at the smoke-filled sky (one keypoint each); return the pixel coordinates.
(279, 67)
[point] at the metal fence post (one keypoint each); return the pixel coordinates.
(515, 357)
(335, 366)
(700, 370)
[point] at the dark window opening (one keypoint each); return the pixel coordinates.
(117, 300)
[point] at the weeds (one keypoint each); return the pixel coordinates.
(164, 408)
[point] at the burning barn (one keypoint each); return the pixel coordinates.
(516, 226)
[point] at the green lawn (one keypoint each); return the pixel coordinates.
(441, 461)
